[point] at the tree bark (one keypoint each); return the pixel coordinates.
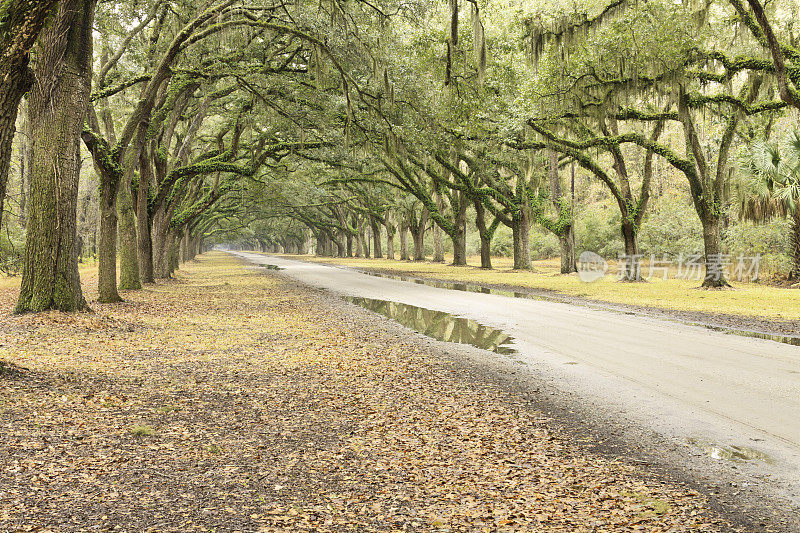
(160, 236)
(107, 256)
(174, 253)
(483, 233)
(520, 228)
(11, 92)
(128, 242)
(795, 245)
(403, 242)
(24, 158)
(22, 22)
(418, 234)
(459, 238)
(376, 239)
(58, 104)
(419, 243)
(390, 231)
(144, 239)
(567, 243)
(563, 228)
(438, 245)
(632, 265)
(714, 276)
(360, 244)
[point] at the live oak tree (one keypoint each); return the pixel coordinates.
(57, 107)
(20, 24)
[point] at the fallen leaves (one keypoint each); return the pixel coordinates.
(236, 400)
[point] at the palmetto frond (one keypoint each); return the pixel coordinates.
(773, 185)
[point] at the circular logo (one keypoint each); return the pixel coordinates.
(591, 266)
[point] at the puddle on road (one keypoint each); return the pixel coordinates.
(270, 267)
(466, 287)
(440, 325)
(737, 454)
(786, 339)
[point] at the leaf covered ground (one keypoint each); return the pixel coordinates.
(234, 400)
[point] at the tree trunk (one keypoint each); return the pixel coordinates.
(341, 247)
(24, 158)
(144, 240)
(107, 255)
(376, 239)
(520, 228)
(360, 245)
(128, 242)
(160, 236)
(795, 244)
(567, 242)
(438, 245)
(174, 253)
(631, 262)
(11, 92)
(460, 237)
(419, 242)
(58, 104)
(390, 230)
(185, 245)
(349, 245)
(403, 242)
(483, 233)
(714, 276)
(460, 247)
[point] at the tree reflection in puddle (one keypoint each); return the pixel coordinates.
(440, 325)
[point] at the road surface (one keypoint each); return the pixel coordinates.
(719, 392)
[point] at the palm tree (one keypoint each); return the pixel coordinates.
(775, 183)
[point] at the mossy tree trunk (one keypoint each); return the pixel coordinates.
(795, 244)
(22, 21)
(520, 229)
(418, 236)
(459, 229)
(160, 236)
(562, 227)
(58, 103)
(390, 231)
(712, 241)
(417, 228)
(143, 219)
(376, 238)
(128, 242)
(107, 245)
(403, 242)
(485, 236)
(11, 92)
(438, 245)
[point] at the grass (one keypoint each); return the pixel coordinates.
(142, 431)
(748, 299)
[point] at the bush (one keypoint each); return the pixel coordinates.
(503, 242)
(672, 227)
(771, 240)
(544, 244)
(597, 230)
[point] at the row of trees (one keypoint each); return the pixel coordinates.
(299, 119)
(618, 92)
